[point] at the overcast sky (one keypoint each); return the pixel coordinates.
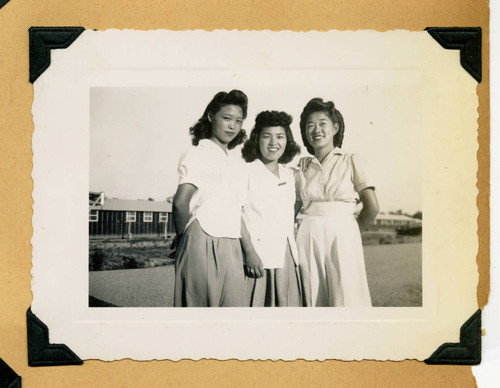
(138, 134)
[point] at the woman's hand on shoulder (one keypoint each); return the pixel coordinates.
(304, 163)
(254, 266)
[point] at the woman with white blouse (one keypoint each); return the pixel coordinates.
(272, 258)
(329, 239)
(207, 209)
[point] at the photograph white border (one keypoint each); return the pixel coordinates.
(160, 59)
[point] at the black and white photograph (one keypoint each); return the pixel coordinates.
(141, 157)
(199, 186)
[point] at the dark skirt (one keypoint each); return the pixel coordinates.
(279, 287)
(209, 271)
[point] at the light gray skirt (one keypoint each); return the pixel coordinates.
(279, 287)
(209, 271)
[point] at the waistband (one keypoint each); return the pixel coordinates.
(330, 208)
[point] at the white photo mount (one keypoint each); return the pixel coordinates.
(103, 59)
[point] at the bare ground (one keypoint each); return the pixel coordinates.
(394, 277)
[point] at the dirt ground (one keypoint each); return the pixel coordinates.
(145, 287)
(394, 277)
(394, 274)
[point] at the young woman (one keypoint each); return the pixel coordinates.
(329, 239)
(268, 214)
(207, 209)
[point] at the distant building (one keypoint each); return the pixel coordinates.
(394, 222)
(122, 217)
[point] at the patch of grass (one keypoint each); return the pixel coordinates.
(113, 253)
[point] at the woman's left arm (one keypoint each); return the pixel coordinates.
(366, 193)
(370, 208)
(255, 269)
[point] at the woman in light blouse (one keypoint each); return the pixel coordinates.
(268, 213)
(329, 240)
(207, 209)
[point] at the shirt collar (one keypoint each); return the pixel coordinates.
(266, 171)
(211, 144)
(335, 151)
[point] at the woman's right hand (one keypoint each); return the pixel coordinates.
(304, 163)
(254, 266)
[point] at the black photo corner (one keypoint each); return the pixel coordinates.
(43, 353)
(8, 377)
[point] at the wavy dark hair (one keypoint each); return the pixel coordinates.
(251, 151)
(328, 107)
(203, 128)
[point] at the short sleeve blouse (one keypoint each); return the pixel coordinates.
(220, 194)
(269, 213)
(340, 178)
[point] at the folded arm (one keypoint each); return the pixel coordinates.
(370, 208)
(180, 207)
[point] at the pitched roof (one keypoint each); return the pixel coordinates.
(135, 205)
(396, 217)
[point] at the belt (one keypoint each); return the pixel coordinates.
(330, 208)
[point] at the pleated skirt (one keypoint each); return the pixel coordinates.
(209, 271)
(331, 261)
(279, 287)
